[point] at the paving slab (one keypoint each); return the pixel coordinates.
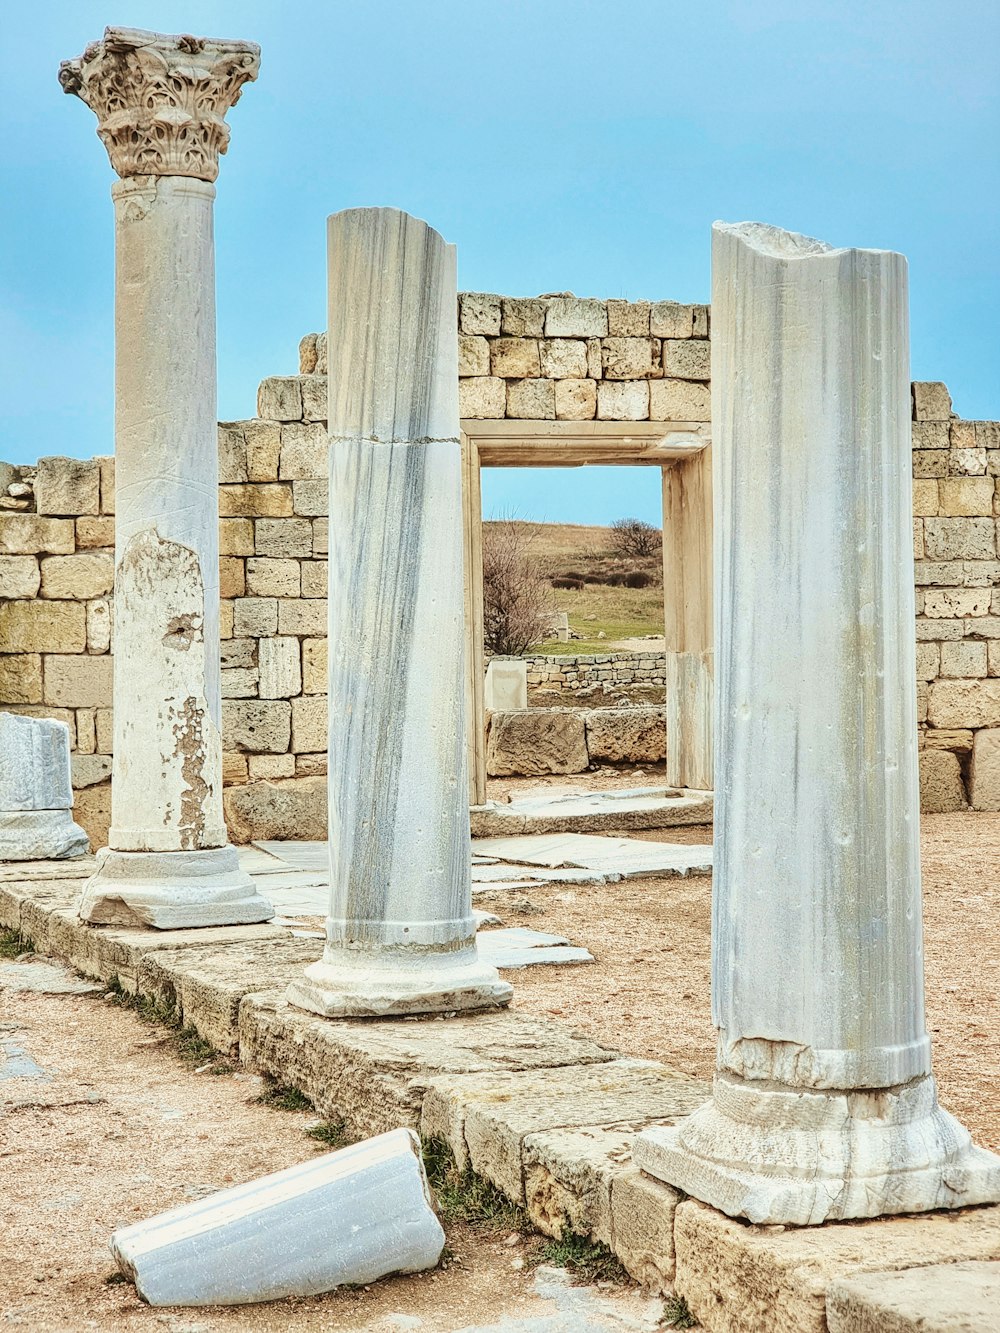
(738, 1278)
(301, 855)
(373, 1075)
(622, 857)
(545, 811)
(44, 978)
(502, 876)
(76, 867)
(938, 1298)
(485, 1118)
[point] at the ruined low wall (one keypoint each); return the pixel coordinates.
(583, 670)
(57, 537)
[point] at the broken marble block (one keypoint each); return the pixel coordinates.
(350, 1216)
(36, 794)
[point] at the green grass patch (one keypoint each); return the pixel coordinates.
(586, 1259)
(676, 1313)
(331, 1135)
(282, 1098)
(464, 1196)
(186, 1041)
(13, 944)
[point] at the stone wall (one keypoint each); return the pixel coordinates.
(585, 670)
(554, 357)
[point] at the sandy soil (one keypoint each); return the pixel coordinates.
(122, 1129)
(648, 992)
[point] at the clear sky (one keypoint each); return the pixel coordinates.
(564, 145)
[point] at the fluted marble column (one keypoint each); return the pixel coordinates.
(824, 1104)
(401, 935)
(160, 103)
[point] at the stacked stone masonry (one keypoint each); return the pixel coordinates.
(546, 358)
(585, 670)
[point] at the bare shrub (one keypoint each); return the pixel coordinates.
(517, 605)
(637, 578)
(635, 537)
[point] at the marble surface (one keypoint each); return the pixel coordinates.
(36, 793)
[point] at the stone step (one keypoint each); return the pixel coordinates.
(940, 1298)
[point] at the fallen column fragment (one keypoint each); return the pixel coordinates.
(351, 1216)
(36, 794)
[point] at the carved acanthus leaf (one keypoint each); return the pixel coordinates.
(161, 100)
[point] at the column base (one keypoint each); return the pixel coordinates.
(780, 1155)
(40, 835)
(349, 983)
(171, 890)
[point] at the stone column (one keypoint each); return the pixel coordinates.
(400, 936)
(824, 1104)
(160, 103)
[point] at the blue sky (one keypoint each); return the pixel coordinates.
(564, 146)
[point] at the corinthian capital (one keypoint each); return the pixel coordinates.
(161, 101)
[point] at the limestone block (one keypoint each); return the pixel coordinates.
(564, 358)
(962, 434)
(90, 769)
(514, 358)
(966, 462)
(266, 499)
(941, 603)
(77, 576)
(701, 319)
(630, 358)
(314, 666)
(964, 703)
(537, 740)
(941, 787)
(927, 630)
(962, 659)
(930, 463)
(993, 658)
(238, 653)
(679, 400)
(928, 660)
(315, 575)
(280, 399)
(930, 435)
(268, 768)
(984, 772)
(479, 312)
(959, 740)
(258, 725)
(623, 401)
(594, 357)
(531, 400)
(576, 400)
(104, 726)
(308, 355)
(305, 617)
(482, 398)
(627, 735)
(918, 539)
(314, 398)
(76, 681)
(351, 1216)
(304, 451)
(473, 355)
(236, 536)
(100, 624)
(285, 538)
(30, 534)
(311, 499)
(981, 573)
(67, 486)
(670, 319)
(570, 317)
(687, 359)
(987, 434)
(568, 1178)
(239, 683)
(738, 1278)
(310, 765)
(20, 678)
(19, 576)
(255, 617)
(106, 468)
(629, 319)
(95, 532)
(232, 577)
(936, 1298)
(521, 317)
(36, 627)
(86, 732)
(321, 354)
(234, 767)
(985, 627)
(288, 809)
(232, 452)
(925, 498)
(309, 724)
(931, 401)
(269, 576)
(280, 672)
(263, 449)
(642, 1225)
(506, 685)
(960, 538)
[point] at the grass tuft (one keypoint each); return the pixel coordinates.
(186, 1041)
(464, 1196)
(586, 1259)
(331, 1135)
(13, 944)
(676, 1313)
(282, 1098)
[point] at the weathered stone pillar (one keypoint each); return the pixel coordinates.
(160, 103)
(824, 1104)
(400, 936)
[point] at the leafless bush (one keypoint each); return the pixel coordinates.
(635, 537)
(517, 605)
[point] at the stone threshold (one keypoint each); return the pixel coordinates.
(543, 1112)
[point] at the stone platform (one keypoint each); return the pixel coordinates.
(543, 1112)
